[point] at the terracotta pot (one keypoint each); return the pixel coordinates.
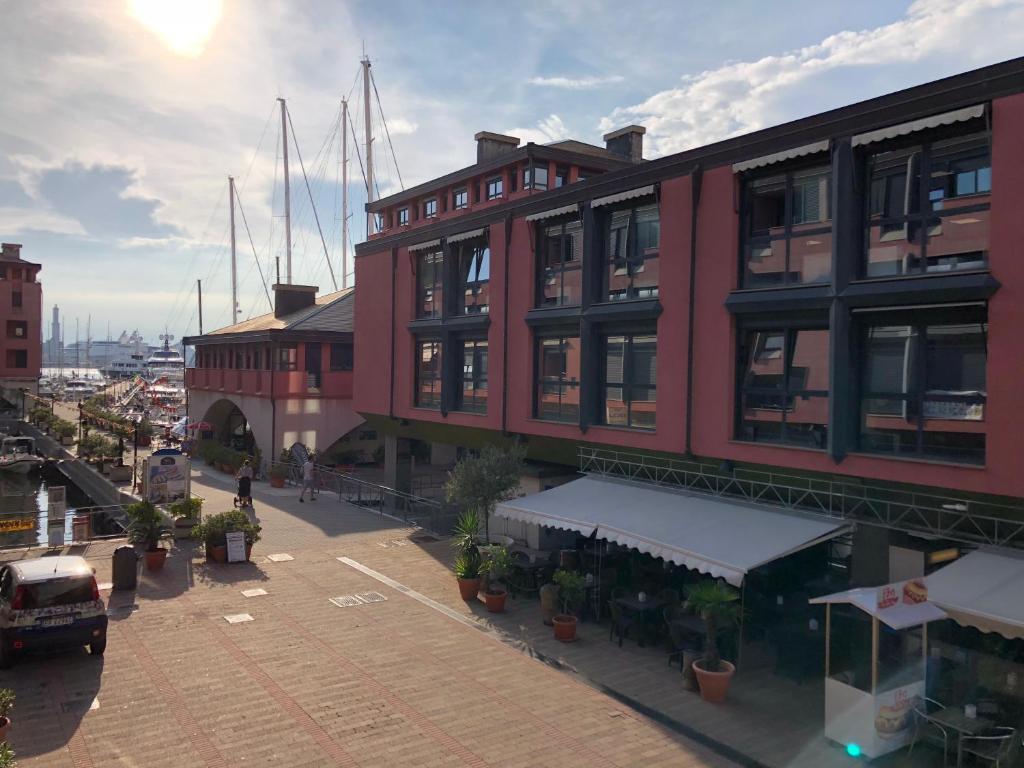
(218, 553)
(5, 724)
(469, 588)
(495, 600)
(689, 676)
(565, 627)
(548, 602)
(248, 552)
(155, 559)
(276, 482)
(714, 685)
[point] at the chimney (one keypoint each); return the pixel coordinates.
(11, 252)
(627, 142)
(491, 145)
(289, 298)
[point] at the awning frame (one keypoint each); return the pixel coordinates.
(923, 124)
(468, 235)
(619, 197)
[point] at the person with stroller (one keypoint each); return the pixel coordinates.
(244, 478)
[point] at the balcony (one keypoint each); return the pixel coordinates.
(331, 384)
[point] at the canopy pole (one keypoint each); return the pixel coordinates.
(743, 611)
(874, 654)
(828, 640)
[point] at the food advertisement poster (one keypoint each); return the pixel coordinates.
(167, 479)
(894, 715)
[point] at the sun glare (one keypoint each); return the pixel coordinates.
(184, 26)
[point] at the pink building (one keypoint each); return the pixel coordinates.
(21, 301)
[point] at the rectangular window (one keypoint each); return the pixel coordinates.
(788, 233)
(341, 356)
(16, 299)
(512, 177)
(474, 259)
(460, 199)
(473, 394)
(256, 359)
(429, 290)
(379, 221)
(17, 329)
(928, 208)
(403, 217)
(428, 374)
(476, 192)
(559, 264)
(17, 358)
(631, 253)
(629, 374)
(535, 177)
(783, 393)
(557, 396)
(287, 357)
(495, 188)
(561, 176)
(430, 209)
(923, 388)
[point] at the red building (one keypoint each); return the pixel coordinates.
(21, 307)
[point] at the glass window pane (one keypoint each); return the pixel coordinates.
(761, 418)
(955, 359)
(648, 229)
(540, 177)
(807, 421)
(888, 357)
(616, 412)
(765, 264)
(810, 257)
(893, 249)
(572, 287)
(764, 368)
(948, 441)
(645, 361)
(809, 366)
(958, 241)
(768, 207)
(642, 407)
(811, 201)
(894, 184)
(615, 357)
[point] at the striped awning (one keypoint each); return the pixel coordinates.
(553, 212)
(467, 235)
(426, 245)
(946, 118)
(620, 196)
(778, 157)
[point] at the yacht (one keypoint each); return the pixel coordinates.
(167, 362)
(79, 389)
(18, 454)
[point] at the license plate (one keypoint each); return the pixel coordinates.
(58, 621)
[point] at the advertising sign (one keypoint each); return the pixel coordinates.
(906, 592)
(16, 524)
(894, 715)
(236, 546)
(167, 478)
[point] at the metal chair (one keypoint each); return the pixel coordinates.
(621, 622)
(925, 727)
(677, 638)
(999, 746)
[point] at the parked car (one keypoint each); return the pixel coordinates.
(50, 602)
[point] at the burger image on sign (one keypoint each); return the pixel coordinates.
(891, 720)
(915, 591)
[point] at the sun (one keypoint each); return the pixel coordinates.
(184, 26)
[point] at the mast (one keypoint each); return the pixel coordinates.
(199, 290)
(287, 193)
(344, 193)
(234, 263)
(78, 343)
(369, 144)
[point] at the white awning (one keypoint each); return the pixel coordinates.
(553, 212)
(722, 538)
(984, 589)
(946, 118)
(899, 614)
(426, 245)
(778, 157)
(620, 196)
(466, 235)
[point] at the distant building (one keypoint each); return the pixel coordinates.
(21, 302)
(53, 346)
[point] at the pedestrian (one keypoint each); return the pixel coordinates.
(308, 479)
(244, 478)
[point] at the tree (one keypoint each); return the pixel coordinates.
(480, 482)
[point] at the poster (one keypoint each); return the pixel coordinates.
(16, 524)
(167, 478)
(236, 546)
(894, 715)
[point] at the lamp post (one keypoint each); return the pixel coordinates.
(79, 423)
(135, 452)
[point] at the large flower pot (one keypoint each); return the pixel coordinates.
(565, 627)
(276, 482)
(5, 723)
(218, 553)
(495, 600)
(714, 686)
(469, 588)
(155, 559)
(548, 602)
(689, 676)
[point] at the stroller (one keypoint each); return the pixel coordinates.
(244, 497)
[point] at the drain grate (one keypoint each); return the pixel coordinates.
(371, 597)
(423, 538)
(346, 601)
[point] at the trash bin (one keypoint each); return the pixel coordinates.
(125, 568)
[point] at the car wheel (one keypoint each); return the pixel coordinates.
(6, 654)
(97, 648)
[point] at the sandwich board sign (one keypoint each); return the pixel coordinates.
(236, 546)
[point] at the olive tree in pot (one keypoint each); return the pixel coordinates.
(718, 605)
(146, 527)
(479, 483)
(6, 705)
(497, 561)
(570, 595)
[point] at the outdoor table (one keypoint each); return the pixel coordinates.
(644, 608)
(693, 625)
(955, 719)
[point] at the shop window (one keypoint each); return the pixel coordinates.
(783, 392)
(559, 264)
(473, 392)
(17, 358)
(558, 379)
(474, 260)
(495, 188)
(631, 253)
(430, 208)
(428, 374)
(403, 217)
(788, 233)
(923, 388)
(460, 199)
(928, 208)
(341, 356)
(429, 288)
(629, 380)
(17, 329)
(287, 357)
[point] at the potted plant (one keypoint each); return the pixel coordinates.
(145, 432)
(467, 554)
(278, 474)
(480, 482)
(213, 533)
(6, 705)
(570, 594)
(717, 604)
(187, 514)
(7, 756)
(497, 561)
(146, 527)
(66, 431)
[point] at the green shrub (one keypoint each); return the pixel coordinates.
(213, 532)
(145, 524)
(190, 508)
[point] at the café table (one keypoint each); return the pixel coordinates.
(955, 719)
(643, 609)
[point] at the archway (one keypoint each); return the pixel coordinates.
(231, 426)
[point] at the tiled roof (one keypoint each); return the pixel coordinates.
(331, 312)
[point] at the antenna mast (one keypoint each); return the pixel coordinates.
(369, 144)
(287, 194)
(234, 263)
(344, 193)
(199, 290)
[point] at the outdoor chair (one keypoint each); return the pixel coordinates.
(998, 747)
(677, 637)
(621, 622)
(670, 596)
(925, 728)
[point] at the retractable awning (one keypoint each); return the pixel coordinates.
(934, 121)
(426, 245)
(984, 590)
(618, 197)
(722, 538)
(466, 235)
(553, 212)
(778, 157)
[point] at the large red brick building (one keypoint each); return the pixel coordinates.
(21, 303)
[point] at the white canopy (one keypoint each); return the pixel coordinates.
(984, 589)
(898, 615)
(574, 208)
(618, 197)
(466, 235)
(723, 538)
(778, 157)
(902, 129)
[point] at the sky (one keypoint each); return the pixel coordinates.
(122, 120)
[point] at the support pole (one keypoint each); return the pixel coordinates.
(199, 290)
(368, 130)
(874, 655)
(287, 193)
(234, 262)
(344, 193)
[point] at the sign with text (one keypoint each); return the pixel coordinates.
(905, 592)
(167, 478)
(236, 546)
(16, 524)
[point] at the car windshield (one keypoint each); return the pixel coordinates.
(48, 594)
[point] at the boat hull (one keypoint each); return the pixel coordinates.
(21, 466)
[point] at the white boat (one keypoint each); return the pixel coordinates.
(18, 454)
(79, 389)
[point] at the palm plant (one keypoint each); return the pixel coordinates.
(145, 524)
(465, 543)
(496, 560)
(716, 603)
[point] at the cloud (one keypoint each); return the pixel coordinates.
(399, 126)
(550, 128)
(576, 83)
(744, 96)
(13, 194)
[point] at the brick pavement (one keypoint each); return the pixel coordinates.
(308, 683)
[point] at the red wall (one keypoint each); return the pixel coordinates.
(31, 312)
(373, 332)
(291, 384)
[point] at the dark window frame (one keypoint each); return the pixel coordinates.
(628, 384)
(342, 356)
(476, 378)
(544, 272)
(462, 192)
(478, 252)
(17, 359)
(435, 289)
(530, 176)
(632, 262)
(430, 208)
(561, 382)
(561, 176)
(436, 376)
(495, 188)
(285, 361)
(403, 216)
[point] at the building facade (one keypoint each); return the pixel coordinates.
(21, 302)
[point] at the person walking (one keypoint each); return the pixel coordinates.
(308, 479)
(244, 478)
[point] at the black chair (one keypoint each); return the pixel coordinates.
(621, 622)
(677, 637)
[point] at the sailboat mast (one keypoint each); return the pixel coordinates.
(234, 263)
(370, 228)
(344, 193)
(287, 193)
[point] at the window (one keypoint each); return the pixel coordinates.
(17, 329)
(17, 358)
(535, 177)
(16, 299)
(631, 253)
(923, 388)
(256, 359)
(429, 291)
(629, 379)
(788, 233)
(559, 264)
(473, 393)
(3, 272)
(287, 357)
(428, 374)
(379, 221)
(341, 356)
(430, 208)
(928, 208)
(403, 217)
(783, 393)
(460, 199)
(557, 395)
(474, 277)
(476, 192)
(495, 188)
(561, 176)
(582, 175)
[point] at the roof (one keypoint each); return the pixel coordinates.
(46, 568)
(582, 148)
(331, 312)
(900, 614)
(983, 590)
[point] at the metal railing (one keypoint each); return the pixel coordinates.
(968, 519)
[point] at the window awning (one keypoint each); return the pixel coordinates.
(898, 613)
(778, 157)
(426, 245)
(466, 235)
(946, 118)
(983, 590)
(620, 196)
(553, 212)
(692, 530)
